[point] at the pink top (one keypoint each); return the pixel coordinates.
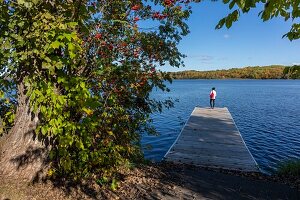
(213, 94)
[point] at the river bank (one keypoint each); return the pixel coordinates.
(163, 181)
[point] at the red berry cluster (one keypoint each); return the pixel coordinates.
(98, 36)
(169, 2)
(135, 7)
(136, 19)
(158, 15)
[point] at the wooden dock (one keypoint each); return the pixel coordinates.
(210, 138)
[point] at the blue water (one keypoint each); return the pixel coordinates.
(266, 112)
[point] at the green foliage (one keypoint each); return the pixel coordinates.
(6, 113)
(88, 69)
(288, 10)
(290, 168)
(292, 72)
(269, 72)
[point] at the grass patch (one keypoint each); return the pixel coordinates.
(289, 168)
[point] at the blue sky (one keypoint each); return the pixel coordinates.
(249, 42)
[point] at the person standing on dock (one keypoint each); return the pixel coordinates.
(212, 97)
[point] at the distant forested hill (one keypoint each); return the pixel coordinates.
(266, 72)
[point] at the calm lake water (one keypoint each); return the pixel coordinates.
(266, 112)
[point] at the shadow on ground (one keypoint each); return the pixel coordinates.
(198, 183)
(160, 181)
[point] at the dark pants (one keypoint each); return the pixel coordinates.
(212, 103)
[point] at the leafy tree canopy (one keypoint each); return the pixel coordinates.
(287, 9)
(267, 72)
(292, 72)
(87, 68)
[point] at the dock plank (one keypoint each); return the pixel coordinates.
(213, 160)
(211, 138)
(241, 156)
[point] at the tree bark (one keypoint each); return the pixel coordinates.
(22, 155)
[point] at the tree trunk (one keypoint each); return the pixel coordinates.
(22, 156)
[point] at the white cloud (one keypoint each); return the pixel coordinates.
(202, 57)
(296, 63)
(226, 36)
(223, 58)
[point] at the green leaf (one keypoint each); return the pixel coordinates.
(35, 1)
(28, 4)
(221, 23)
(47, 15)
(120, 21)
(235, 15)
(114, 184)
(71, 46)
(52, 154)
(44, 130)
(72, 55)
(61, 80)
(228, 23)
(72, 24)
(84, 156)
(241, 4)
(66, 163)
(21, 24)
(80, 145)
(46, 65)
(102, 181)
(61, 99)
(232, 4)
(55, 44)
(20, 2)
(2, 94)
(82, 84)
(68, 37)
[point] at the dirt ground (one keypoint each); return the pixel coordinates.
(162, 181)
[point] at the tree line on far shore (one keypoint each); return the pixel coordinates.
(265, 72)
